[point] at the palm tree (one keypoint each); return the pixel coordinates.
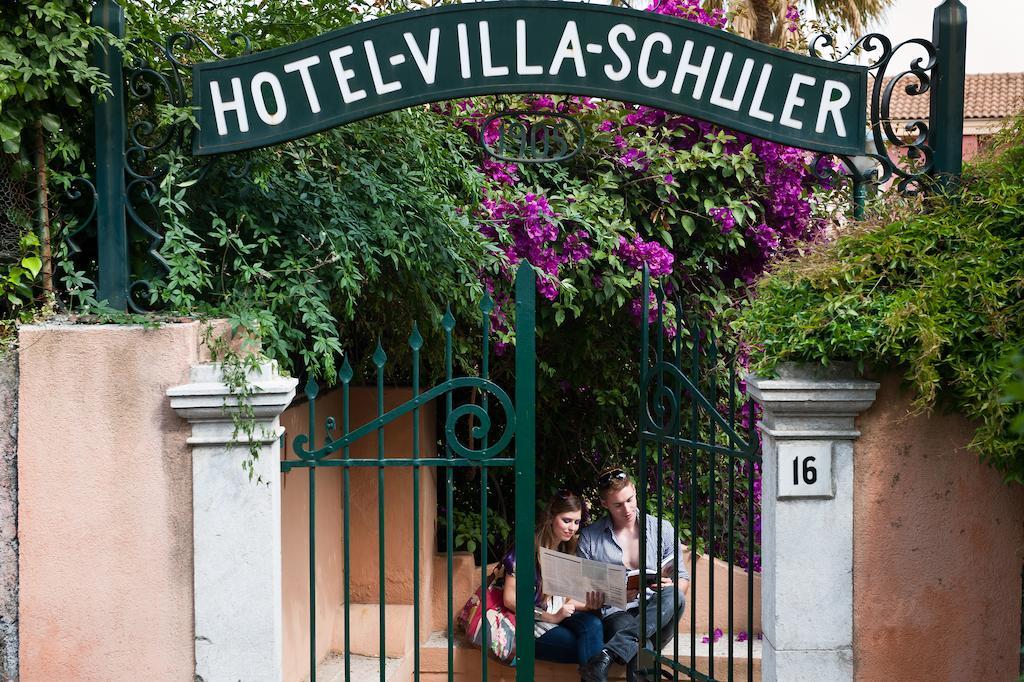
(765, 20)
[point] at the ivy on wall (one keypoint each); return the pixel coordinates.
(938, 292)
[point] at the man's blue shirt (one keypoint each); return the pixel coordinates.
(597, 542)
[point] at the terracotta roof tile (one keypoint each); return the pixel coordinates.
(986, 95)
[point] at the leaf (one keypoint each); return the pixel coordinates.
(50, 122)
(33, 264)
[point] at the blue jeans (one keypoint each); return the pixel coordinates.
(575, 640)
(622, 628)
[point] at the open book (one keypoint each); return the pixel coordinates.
(668, 570)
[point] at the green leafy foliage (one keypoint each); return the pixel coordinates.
(939, 292)
(45, 75)
(467, 529)
(331, 240)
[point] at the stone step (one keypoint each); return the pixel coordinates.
(363, 669)
(468, 664)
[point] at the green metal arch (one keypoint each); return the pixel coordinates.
(510, 47)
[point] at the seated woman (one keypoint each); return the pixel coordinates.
(567, 631)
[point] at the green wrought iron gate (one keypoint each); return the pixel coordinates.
(699, 458)
(320, 447)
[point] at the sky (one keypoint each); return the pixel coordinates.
(993, 31)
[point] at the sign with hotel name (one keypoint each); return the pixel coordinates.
(528, 46)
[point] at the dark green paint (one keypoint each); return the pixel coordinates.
(546, 23)
(680, 394)
(526, 475)
(111, 222)
(519, 421)
(946, 112)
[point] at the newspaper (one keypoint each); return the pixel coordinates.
(572, 576)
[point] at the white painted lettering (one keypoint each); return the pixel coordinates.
(258, 100)
(569, 48)
(236, 105)
(741, 87)
(302, 66)
(762, 85)
(794, 100)
(687, 69)
(834, 107)
(625, 31)
(427, 66)
(643, 63)
(464, 51)
(348, 95)
(379, 85)
(522, 68)
(485, 53)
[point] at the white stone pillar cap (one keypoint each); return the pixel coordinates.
(809, 402)
(208, 399)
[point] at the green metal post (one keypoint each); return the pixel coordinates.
(111, 223)
(946, 111)
(526, 484)
(860, 195)
(415, 343)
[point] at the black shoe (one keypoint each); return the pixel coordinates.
(596, 669)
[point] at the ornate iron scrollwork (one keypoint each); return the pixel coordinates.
(531, 136)
(473, 412)
(907, 162)
(156, 100)
(156, 97)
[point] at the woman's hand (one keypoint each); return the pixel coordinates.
(665, 582)
(568, 608)
(595, 600)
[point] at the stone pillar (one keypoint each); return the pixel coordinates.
(808, 431)
(236, 523)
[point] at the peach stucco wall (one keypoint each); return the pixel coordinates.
(363, 530)
(938, 550)
(105, 509)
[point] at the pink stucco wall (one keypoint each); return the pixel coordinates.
(938, 550)
(105, 516)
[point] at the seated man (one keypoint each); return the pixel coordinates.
(615, 539)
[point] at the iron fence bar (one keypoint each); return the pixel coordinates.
(659, 478)
(526, 489)
(712, 363)
(485, 308)
(397, 462)
(691, 671)
(694, 426)
(678, 394)
(752, 426)
(379, 360)
(448, 324)
(346, 378)
(679, 441)
(732, 495)
(415, 343)
(642, 464)
(311, 393)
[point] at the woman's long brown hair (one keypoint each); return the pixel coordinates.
(561, 503)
